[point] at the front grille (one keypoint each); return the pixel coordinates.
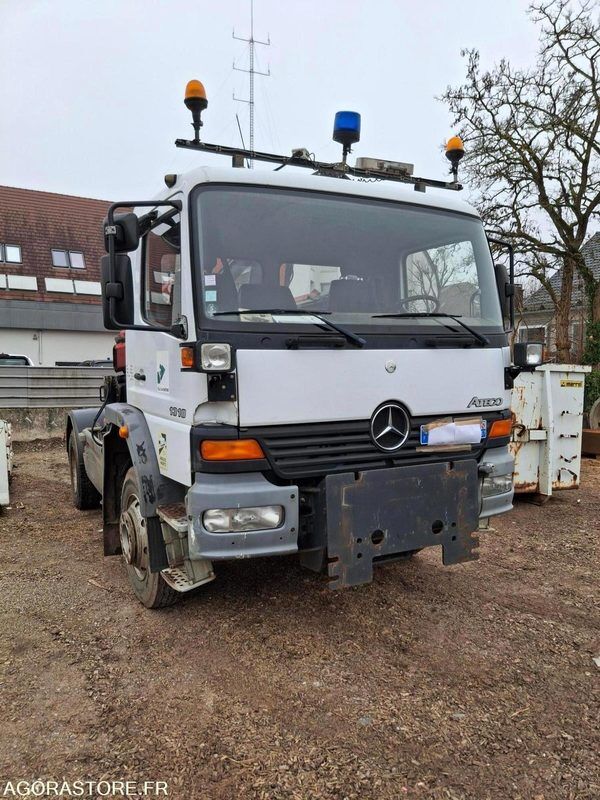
(321, 448)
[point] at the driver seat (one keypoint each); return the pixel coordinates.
(260, 295)
(351, 294)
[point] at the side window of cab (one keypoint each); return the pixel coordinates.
(161, 254)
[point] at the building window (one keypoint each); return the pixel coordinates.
(27, 283)
(68, 259)
(76, 259)
(60, 258)
(10, 253)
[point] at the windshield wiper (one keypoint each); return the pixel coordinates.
(483, 340)
(347, 334)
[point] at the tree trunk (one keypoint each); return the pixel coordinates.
(563, 312)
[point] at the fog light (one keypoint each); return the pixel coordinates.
(236, 520)
(497, 484)
(215, 357)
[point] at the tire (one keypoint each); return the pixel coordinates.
(150, 587)
(85, 495)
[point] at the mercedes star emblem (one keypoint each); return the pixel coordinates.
(390, 426)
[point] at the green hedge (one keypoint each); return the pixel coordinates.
(592, 389)
(591, 353)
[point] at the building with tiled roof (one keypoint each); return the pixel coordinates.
(50, 250)
(537, 322)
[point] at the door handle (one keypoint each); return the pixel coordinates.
(139, 376)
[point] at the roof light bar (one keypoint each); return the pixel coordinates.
(346, 131)
(317, 166)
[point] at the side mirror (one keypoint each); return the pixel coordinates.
(122, 235)
(127, 232)
(528, 355)
(117, 294)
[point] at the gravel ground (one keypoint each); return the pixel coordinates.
(475, 681)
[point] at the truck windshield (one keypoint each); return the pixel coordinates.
(371, 265)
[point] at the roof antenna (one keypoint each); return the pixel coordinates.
(251, 72)
(243, 143)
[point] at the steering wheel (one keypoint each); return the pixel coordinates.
(428, 298)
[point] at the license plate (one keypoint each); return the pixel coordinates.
(451, 438)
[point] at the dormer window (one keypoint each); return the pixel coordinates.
(68, 259)
(10, 253)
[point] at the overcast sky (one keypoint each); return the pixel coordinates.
(91, 90)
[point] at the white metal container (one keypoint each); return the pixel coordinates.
(6, 461)
(547, 407)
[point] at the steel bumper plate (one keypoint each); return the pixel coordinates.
(374, 515)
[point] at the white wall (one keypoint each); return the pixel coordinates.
(45, 348)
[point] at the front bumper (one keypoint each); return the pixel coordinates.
(498, 461)
(360, 517)
(240, 490)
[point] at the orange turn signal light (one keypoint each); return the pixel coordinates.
(501, 427)
(187, 357)
(230, 450)
(123, 431)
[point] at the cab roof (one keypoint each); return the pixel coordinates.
(298, 178)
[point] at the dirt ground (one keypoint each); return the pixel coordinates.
(475, 681)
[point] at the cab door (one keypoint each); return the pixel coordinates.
(155, 383)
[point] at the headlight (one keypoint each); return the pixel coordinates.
(528, 354)
(215, 357)
(497, 484)
(535, 354)
(236, 520)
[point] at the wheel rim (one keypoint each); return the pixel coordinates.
(134, 538)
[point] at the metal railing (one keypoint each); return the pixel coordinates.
(51, 387)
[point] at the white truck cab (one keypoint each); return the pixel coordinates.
(313, 364)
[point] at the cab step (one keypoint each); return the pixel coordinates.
(178, 579)
(174, 515)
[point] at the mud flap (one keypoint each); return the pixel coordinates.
(375, 515)
(157, 552)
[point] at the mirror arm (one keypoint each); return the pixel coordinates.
(510, 289)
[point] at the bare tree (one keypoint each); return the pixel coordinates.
(533, 149)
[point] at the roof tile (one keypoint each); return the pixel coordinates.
(540, 299)
(40, 221)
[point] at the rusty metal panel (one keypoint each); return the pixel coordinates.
(526, 405)
(547, 407)
(374, 515)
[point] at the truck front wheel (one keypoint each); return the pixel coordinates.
(85, 494)
(150, 587)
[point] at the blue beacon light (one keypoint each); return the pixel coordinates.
(346, 130)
